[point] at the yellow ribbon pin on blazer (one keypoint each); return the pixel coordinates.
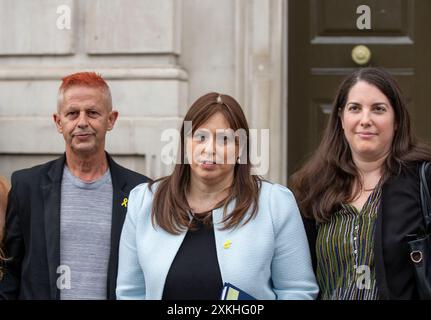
(124, 204)
(227, 244)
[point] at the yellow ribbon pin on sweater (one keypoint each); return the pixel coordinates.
(124, 204)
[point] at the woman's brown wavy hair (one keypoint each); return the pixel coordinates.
(170, 208)
(327, 178)
(4, 189)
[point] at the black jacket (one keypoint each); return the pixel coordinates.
(32, 240)
(399, 215)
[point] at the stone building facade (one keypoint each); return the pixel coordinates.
(157, 56)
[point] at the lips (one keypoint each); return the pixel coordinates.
(82, 134)
(366, 135)
(82, 137)
(207, 162)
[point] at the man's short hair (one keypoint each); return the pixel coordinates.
(85, 79)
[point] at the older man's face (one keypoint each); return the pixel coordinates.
(83, 120)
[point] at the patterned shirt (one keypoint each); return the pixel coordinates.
(345, 253)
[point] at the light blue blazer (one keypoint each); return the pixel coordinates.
(268, 257)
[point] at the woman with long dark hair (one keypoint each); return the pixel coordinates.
(212, 222)
(359, 192)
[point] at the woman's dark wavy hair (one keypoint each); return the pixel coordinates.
(2, 259)
(327, 178)
(170, 208)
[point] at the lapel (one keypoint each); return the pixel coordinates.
(159, 251)
(164, 258)
(220, 237)
(378, 250)
(119, 210)
(51, 190)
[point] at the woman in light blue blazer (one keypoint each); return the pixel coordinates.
(213, 222)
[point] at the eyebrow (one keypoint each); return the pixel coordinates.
(69, 108)
(74, 107)
(201, 131)
(359, 104)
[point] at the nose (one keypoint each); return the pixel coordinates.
(210, 147)
(366, 118)
(82, 120)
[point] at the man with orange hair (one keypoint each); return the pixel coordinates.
(64, 217)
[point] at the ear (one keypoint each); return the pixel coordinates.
(57, 121)
(112, 117)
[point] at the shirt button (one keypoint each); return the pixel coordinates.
(357, 227)
(356, 251)
(354, 238)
